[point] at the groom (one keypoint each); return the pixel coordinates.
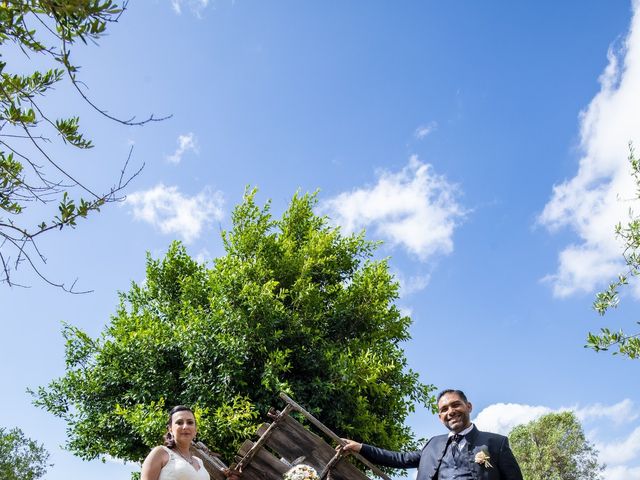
(465, 453)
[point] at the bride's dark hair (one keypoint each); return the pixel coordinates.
(169, 441)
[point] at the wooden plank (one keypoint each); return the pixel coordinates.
(332, 463)
(263, 438)
(291, 441)
(262, 429)
(245, 447)
(263, 465)
(212, 464)
(265, 461)
(346, 470)
(331, 435)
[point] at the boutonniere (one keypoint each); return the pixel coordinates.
(482, 458)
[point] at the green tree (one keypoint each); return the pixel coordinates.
(30, 173)
(554, 447)
(627, 344)
(292, 306)
(20, 457)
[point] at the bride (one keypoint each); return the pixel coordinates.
(173, 460)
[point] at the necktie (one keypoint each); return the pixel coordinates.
(455, 442)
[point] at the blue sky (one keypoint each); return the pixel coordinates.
(484, 142)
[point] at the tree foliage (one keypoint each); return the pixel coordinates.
(554, 447)
(627, 344)
(30, 174)
(20, 457)
(292, 306)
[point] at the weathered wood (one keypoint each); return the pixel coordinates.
(263, 438)
(330, 434)
(245, 447)
(291, 440)
(212, 464)
(334, 460)
(286, 442)
(263, 465)
(262, 429)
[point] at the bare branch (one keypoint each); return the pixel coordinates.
(23, 118)
(25, 255)
(76, 83)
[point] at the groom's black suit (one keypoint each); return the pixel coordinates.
(428, 460)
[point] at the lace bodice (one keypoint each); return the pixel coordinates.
(177, 468)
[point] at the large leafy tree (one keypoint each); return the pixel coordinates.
(624, 343)
(32, 172)
(20, 457)
(292, 306)
(554, 447)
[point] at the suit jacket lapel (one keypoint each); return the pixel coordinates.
(471, 437)
(472, 443)
(441, 451)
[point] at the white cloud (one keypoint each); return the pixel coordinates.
(413, 208)
(203, 256)
(621, 473)
(196, 6)
(621, 412)
(599, 195)
(502, 417)
(618, 455)
(424, 130)
(171, 212)
(185, 143)
(621, 451)
(411, 284)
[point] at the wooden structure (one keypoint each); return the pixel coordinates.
(211, 462)
(284, 443)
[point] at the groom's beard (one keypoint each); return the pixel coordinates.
(457, 422)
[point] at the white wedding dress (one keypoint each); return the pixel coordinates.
(177, 468)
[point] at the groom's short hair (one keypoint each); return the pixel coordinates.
(460, 393)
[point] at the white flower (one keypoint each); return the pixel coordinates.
(482, 458)
(301, 472)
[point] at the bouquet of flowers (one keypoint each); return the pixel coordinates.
(301, 472)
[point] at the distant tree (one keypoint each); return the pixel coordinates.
(20, 457)
(292, 306)
(30, 175)
(554, 447)
(627, 344)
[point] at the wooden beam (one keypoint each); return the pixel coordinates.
(212, 463)
(263, 438)
(327, 468)
(330, 434)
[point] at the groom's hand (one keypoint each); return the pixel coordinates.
(351, 446)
